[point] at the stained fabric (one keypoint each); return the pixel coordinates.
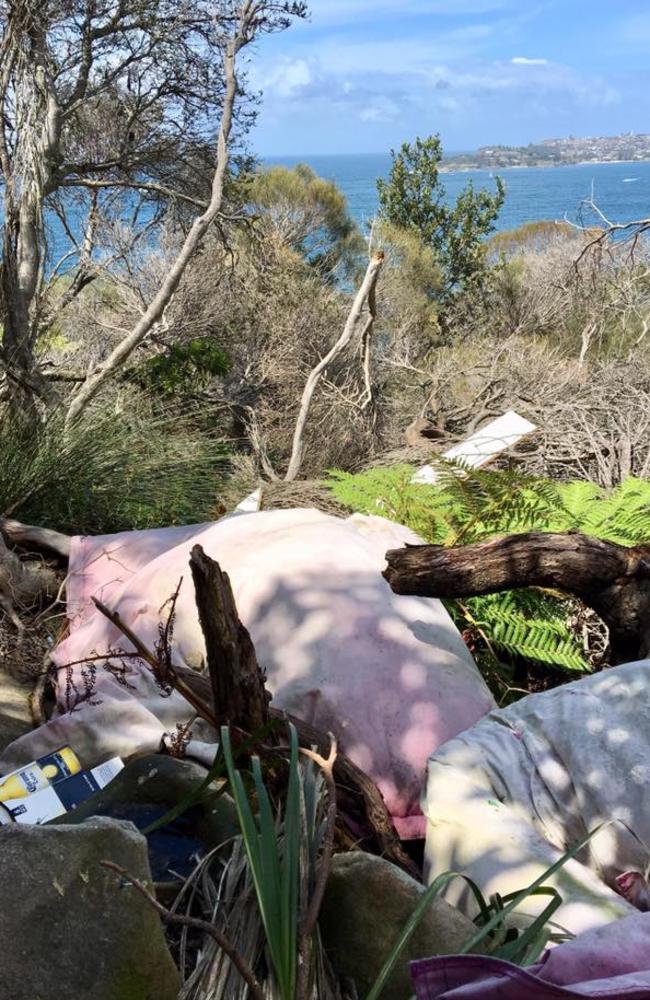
(388, 675)
(506, 798)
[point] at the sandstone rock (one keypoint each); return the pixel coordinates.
(70, 929)
(367, 903)
(152, 785)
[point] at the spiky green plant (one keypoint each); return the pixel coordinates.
(472, 505)
(124, 465)
(274, 863)
(494, 937)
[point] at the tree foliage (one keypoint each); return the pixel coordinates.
(309, 215)
(413, 197)
(106, 108)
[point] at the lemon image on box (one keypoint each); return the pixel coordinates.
(39, 774)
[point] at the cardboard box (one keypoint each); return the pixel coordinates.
(61, 797)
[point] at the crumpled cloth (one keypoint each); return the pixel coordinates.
(611, 961)
(389, 675)
(506, 798)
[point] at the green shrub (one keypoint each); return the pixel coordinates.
(123, 466)
(184, 368)
(532, 626)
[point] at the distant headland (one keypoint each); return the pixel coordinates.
(554, 153)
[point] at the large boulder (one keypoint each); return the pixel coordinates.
(367, 903)
(148, 788)
(69, 928)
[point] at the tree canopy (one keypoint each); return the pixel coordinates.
(307, 213)
(413, 197)
(104, 105)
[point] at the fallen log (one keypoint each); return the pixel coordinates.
(29, 535)
(611, 579)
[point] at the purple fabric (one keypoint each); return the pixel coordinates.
(611, 961)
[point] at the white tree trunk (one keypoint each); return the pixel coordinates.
(96, 379)
(365, 294)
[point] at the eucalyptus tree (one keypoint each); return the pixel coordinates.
(110, 109)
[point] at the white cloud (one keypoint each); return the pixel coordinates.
(525, 61)
(433, 81)
(381, 109)
(398, 56)
(286, 79)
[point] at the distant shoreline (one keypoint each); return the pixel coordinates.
(446, 166)
(451, 168)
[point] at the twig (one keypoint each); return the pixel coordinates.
(243, 969)
(152, 661)
(327, 767)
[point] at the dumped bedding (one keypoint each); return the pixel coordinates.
(388, 675)
(611, 961)
(505, 799)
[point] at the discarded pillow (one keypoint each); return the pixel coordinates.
(505, 799)
(390, 676)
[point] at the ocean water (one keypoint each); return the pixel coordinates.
(621, 190)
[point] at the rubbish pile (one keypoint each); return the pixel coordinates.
(508, 792)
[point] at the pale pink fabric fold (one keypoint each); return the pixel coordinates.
(388, 675)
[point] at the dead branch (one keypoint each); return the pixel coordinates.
(364, 295)
(326, 764)
(42, 538)
(310, 918)
(173, 676)
(611, 579)
(222, 941)
(239, 695)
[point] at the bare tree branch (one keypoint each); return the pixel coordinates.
(611, 579)
(363, 296)
(200, 226)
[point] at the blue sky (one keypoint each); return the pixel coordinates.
(363, 75)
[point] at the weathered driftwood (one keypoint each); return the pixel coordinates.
(30, 536)
(611, 579)
(238, 691)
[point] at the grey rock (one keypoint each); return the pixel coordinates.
(70, 929)
(159, 780)
(367, 903)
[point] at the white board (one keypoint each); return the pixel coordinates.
(250, 503)
(483, 446)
